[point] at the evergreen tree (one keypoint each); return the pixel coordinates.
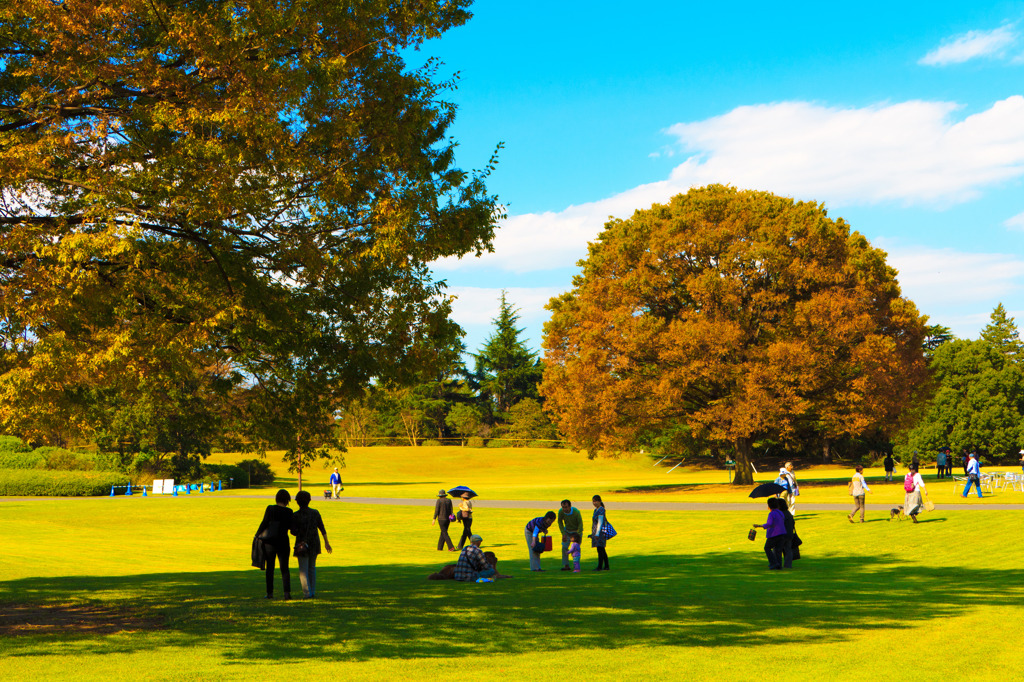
(1003, 334)
(506, 370)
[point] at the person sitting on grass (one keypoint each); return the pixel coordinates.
(471, 564)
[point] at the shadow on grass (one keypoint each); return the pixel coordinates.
(375, 612)
(664, 488)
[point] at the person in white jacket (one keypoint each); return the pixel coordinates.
(786, 474)
(858, 487)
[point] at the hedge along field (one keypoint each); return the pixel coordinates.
(554, 474)
(161, 588)
(39, 482)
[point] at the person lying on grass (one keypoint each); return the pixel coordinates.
(448, 572)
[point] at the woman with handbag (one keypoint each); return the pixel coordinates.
(273, 533)
(598, 536)
(307, 525)
(465, 516)
(443, 517)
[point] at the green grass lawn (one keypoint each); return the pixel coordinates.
(688, 597)
(551, 474)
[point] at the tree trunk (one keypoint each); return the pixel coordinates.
(744, 469)
(826, 451)
(299, 467)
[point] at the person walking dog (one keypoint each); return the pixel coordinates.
(336, 486)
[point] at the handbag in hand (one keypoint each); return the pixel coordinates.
(752, 533)
(301, 548)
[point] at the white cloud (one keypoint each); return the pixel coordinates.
(944, 278)
(971, 45)
(910, 152)
(1016, 222)
(479, 305)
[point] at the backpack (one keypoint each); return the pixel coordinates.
(783, 482)
(908, 482)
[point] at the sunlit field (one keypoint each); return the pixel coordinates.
(161, 587)
(543, 474)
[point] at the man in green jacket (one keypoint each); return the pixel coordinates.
(569, 521)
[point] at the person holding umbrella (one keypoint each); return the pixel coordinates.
(443, 518)
(465, 514)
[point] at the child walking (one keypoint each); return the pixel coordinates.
(574, 551)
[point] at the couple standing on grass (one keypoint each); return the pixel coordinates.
(570, 525)
(271, 542)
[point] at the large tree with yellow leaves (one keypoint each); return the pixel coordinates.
(258, 183)
(727, 316)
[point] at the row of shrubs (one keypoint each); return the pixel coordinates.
(27, 482)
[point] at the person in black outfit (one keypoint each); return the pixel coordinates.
(442, 517)
(273, 531)
(789, 545)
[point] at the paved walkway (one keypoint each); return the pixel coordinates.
(639, 506)
(552, 505)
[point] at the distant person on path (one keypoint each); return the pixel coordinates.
(570, 521)
(973, 475)
(336, 486)
(307, 526)
(443, 517)
(949, 463)
(775, 529)
(273, 532)
(963, 460)
(889, 465)
(533, 530)
(790, 546)
(913, 486)
(858, 488)
(793, 490)
(1022, 460)
(465, 516)
(597, 539)
(472, 564)
(940, 463)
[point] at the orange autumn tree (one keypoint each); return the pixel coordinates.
(728, 316)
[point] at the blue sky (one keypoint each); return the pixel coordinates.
(904, 118)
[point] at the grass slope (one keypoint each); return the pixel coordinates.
(160, 588)
(549, 474)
